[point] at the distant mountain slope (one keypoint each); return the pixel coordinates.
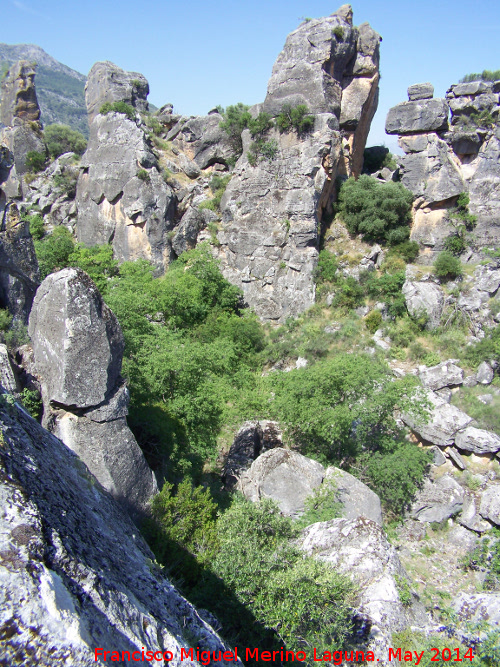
(60, 89)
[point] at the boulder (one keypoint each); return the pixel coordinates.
(285, 476)
(78, 348)
(420, 91)
(470, 517)
(445, 374)
(107, 82)
(456, 458)
(478, 608)
(360, 549)
(192, 223)
(76, 573)
(18, 94)
(77, 341)
(424, 298)
(357, 499)
(418, 116)
(490, 504)
(204, 140)
(438, 500)
(484, 373)
(443, 423)
(487, 280)
(253, 439)
(477, 440)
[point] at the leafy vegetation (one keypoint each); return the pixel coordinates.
(462, 222)
(36, 161)
(295, 118)
(62, 139)
(118, 107)
(485, 75)
(218, 186)
(447, 266)
(381, 212)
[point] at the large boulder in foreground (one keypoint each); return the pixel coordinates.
(78, 348)
(75, 572)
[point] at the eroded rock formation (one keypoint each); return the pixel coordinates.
(451, 146)
(78, 349)
(121, 196)
(272, 211)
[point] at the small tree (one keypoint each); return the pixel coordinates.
(62, 139)
(446, 266)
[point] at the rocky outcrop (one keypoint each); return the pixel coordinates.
(19, 273)
(451, 146)
(477, 440)
(78, 348)
(490, 504)
(121, 196)
(203, 140)
(424, 298)
(271, 211)
(443, 423)
(107, 82)
(445, 374)
(75, 573)
(478, 608)
(253, 439)
(20, 113)
(438, 500)
(360, 549)
(290, 478)
(18, 99)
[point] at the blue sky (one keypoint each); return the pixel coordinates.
(199, 54)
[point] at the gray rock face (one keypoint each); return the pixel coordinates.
(418, 116)
(7, 379)
(285, 476)
(114, 204)
(204, 141)
(74, 566)
(420, 91)
(444, 422)
(77, 341)
(490, 504)
(357, 499)
(424, 298)
(270, 211)
(106, 82)
(360, 549)
(78, 348)
(252, 440)
(445, 374)
(477, 440)
(192, 223)
(438, 500)
(18, 94)
(19, 273)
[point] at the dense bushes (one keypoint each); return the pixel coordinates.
(62, 139)
(36, 161)
(118, 107)
(379, 211)
(485, 75)
(447, 266)
(295, 118)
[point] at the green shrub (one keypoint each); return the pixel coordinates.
(185, 521)
(322, 505)
(348, 294)
(455, 244)
(218, 186)
(62, 139)
(338, 32)
(408, 250)
(16, 335)
(143, 175)
(260, 125)
(97, 261)
(32, 401)
(446, 266)
(295, 118)
(236, 119)
(373, 320)
(36, 161)
(326, 269)
(66, 182)
(486, 349)
(5, 320)
(53, 251)
(118, 107)
(37, 229)
(486, 75)
(381, 212)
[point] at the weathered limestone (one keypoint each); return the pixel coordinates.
(424, 298)
(420, 91)
(114, 204)
(74, 566)
(444, 422)
(490, 504)
(445, 374)
(107, 82)
(18, 99)
(417, 116)
(78, 348)
(271, 211)
(438, 500)
(360, 549)
(477, 440)
(252, 440)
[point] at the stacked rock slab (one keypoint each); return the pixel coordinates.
(271, 212)
(78, 348)
(75, 572)
(444, 158)
(121, 197)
